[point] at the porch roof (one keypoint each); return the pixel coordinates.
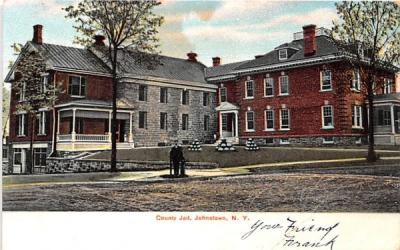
(121, 104)
(227, 106)
(387, 98)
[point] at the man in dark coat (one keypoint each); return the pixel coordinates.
(174, 157)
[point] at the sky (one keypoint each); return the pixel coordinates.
(234, 30)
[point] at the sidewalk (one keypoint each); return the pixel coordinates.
(107, 177)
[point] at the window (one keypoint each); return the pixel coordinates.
(22, 92)
(283, 85)
(142, 119)
(269, 120)
(356, 83)
(384, 118)
(17, 156)
(387, 86)
(41, 123)
(249, 89)
(327, 117)
(284, 141)
(206, 99)
(269, 140)
(326, 80)
(40, 156)
(283, 54)
(224, 122)
(185, 121)
(164, 95)
(143, 93)
(163, 121)
(356, 117)
(223, 96)
(327, 140)
(45, 81)
(250, 121)
(206, 122)
(5, 152)
(21, 125)
(285, 119)
(269, 86)
(77, 86)
(185, 97)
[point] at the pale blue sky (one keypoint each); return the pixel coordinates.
(234, 30)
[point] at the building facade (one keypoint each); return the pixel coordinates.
(156, 105)
(301, 93)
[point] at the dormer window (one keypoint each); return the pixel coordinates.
(283, 55)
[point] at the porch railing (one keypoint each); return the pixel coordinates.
(83, 138)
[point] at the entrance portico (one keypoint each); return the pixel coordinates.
(387, 119)
(228, 115)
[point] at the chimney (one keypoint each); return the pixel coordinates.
(310, 44)
(216, 61)
(99, 40)
(192, 56)
(258, 56)
(37, 34)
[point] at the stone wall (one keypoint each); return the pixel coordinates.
(153, 135)
(309, 141)
(60, 165)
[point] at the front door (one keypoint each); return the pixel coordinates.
(121, 131)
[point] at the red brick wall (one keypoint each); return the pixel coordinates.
(304, 101)
(97, 87)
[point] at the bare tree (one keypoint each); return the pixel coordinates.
(127, 25)
(368, 33)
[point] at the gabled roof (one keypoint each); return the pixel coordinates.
(224, 69)
(227, 106)
(167, 67)
(71, 58)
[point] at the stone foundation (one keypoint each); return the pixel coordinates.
(309, 141)
(58, 165)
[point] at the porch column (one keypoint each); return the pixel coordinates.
(58, 124)
(130, 135)
(109, 125)
(392, 118)
(73, 133)
(220, 125)
(236, 124)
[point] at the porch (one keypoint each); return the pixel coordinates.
(228, 122)
(82, 128)
(387, 119)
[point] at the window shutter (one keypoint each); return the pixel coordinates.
(83, 86)
(37, 120)
(47, 122)
(17, 117)
(26, 124)
(70, 86)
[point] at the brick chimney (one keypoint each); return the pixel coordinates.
(38, 34)
(192, 56)
(99, 40)
(216, 61)
(310, 43)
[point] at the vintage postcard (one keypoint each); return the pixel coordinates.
(200, 124)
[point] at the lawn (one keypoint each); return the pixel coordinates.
(241, 156)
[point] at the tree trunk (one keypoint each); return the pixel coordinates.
(114, 114)
(371, 157)
(31, 154)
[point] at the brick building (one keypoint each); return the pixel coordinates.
(303, 92)
(156, 106)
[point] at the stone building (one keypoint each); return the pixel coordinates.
(156, 105)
